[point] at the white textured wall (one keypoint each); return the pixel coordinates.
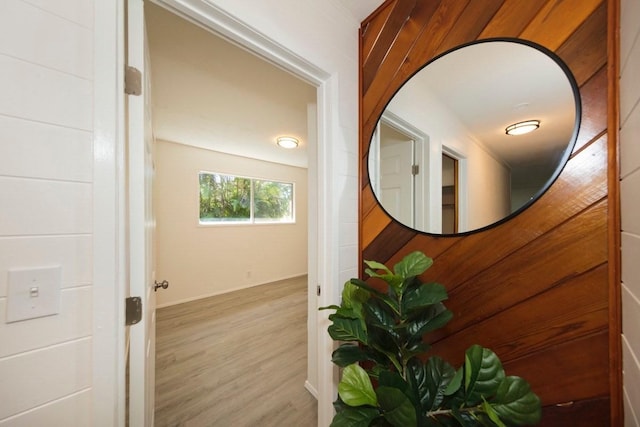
(204, 260)
(489, 188)
(46, 87)
(630, 204)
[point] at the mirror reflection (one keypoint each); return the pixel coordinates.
(440, 159)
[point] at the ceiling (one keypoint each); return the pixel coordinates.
(209, 93)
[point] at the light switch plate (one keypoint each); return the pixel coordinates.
(33, 292)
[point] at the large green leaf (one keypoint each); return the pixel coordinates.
(355, 417)
(381, 315)
(415, 350)
(346, 312)
(430, 381)
(394, 379)
(515, 403)
(347, 354)
(344, 329)
(483, 373)
(397, 407)
(393, 280)
(413, 264)
(354, 296)
(375, 265)
(455, 384)
(433, 318)
(384, 344)
(355, 388)
(389, 301)
(423, 296)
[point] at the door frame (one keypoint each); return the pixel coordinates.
(423, 218)
(110, 191)
(109, 234)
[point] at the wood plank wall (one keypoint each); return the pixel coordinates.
(538, 289)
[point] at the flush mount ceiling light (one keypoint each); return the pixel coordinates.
(521, 128)
(288, 142)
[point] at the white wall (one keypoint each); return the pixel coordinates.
(205, 260)
(46, 82)
(488, 188)
(630, 205)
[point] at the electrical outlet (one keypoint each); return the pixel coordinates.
(33, 292)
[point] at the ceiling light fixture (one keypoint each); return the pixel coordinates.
(521, 128)
(288, 142)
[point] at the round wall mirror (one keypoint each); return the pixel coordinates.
(442, 160)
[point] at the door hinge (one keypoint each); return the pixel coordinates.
(132, 81)
(133, 310)
(415, 169)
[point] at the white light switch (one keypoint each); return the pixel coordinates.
(33, 292)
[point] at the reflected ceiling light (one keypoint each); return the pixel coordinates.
(521, 128)
(287, 142)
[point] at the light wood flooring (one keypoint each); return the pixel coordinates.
(235, 360)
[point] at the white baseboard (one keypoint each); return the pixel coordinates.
(311, 389)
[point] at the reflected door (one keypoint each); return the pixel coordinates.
(397, 185)
(449, 195)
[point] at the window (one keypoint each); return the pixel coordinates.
(235, 199)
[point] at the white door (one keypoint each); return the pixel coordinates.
(396, 175)
(141, 227)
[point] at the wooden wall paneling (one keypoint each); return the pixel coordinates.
(470, 23)
(388, 242)
(432, 246)
(386, 38)
(584, 63)
(575, 308)
(538, 287)
(512, 18)
(578, 414)
(372, 225)
(557, 20)
(530, 270)
(368, 199)
(573, 371)
(594, 108)
(371, 28)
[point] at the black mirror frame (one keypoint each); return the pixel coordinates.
(562, 163)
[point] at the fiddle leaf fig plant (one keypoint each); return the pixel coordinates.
(387, 380)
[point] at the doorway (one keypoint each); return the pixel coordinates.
(449, 194)
(257, 168)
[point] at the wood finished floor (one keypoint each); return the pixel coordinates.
(235, 360)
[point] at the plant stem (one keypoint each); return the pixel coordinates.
(434, 414)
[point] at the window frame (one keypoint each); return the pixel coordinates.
(251, 220)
